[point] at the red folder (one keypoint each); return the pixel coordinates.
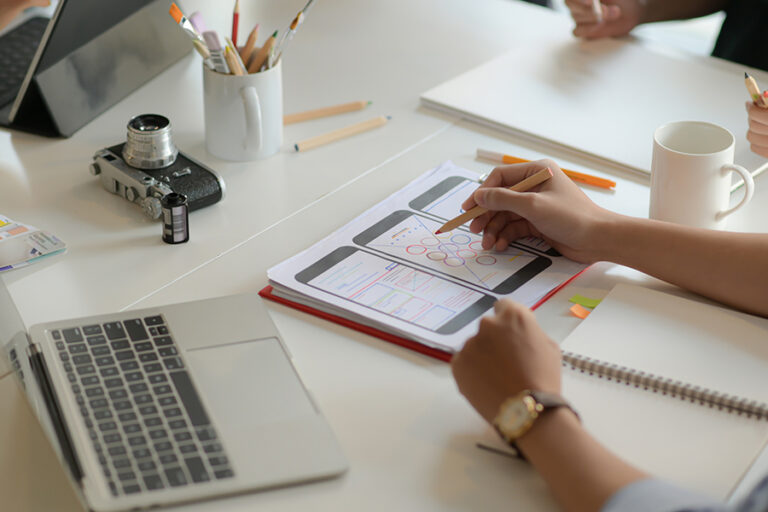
(442, 355)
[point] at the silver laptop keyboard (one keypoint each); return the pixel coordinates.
(142, 411)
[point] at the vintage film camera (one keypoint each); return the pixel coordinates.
(147, 166)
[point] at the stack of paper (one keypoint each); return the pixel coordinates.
(21, 244)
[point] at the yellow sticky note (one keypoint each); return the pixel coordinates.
(585, 301)
(578, 311)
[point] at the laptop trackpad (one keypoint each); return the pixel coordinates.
(244, 385)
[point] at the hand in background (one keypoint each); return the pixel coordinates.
(510, 353)
(758, 129)
(558, 212)
(619, 17)
(9, 9)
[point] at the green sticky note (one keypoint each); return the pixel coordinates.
(585, 301)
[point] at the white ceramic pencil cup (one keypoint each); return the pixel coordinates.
(243, 114)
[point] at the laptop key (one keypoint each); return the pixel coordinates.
(91, 392)
(82, 359)
(121, 463)
(101, 350)
(137, 441)
(213, 448)
(168, 458)
(166, 401)
(114, 330)
(190, 398)
(113, 438)
(163, 446)
(90, 330)
(102, 414)
(162, 390)
(97, 341)
(135, 330)
(153, 422)
(153, 482)
(142, 453)
(197, 469)
(104, 361)
(120, 345)
(143, 399)
(129, 365)
(158, 434)
(78, 348)
(56, 334)
(147, 357)
(86, 369)
(147, 465)
(60, 345)
(175, 476)
(153, 320)
(143, 346)
(218, 461)
(123, 405)
(162, 329)
(188, 448)
(153, 367)
(182, 436)
(128, 475)
(124, 355)
(89, 380)
(176, 424)
(127, 416)
(114, 383)
(147, 410)
(223, 473)
(157, 378)
(117, 450)
(131, 489)
(172, 413)
(109, 372)
(206, 434)
(117, 394)
(163, 341)
(98, 403)
(107, 426)
(64, 356)
(167, 351)
(73, 335)
(131, 428)
(173, 363)
(134, 376)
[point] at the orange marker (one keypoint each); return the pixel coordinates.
(575, 176)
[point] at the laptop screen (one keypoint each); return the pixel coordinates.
(80, 21)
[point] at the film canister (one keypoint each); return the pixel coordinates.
(175, 218)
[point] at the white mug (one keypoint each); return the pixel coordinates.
(691, 174)
(243, 114)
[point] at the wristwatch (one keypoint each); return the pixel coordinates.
(518, 413)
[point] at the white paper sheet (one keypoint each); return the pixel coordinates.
(604, 98)
(389, 270)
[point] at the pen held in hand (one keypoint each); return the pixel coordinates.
(523, 186)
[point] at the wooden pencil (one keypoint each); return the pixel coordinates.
(233, 62)
(325, 112)
(523, 186)
(754, 91)
(260, 58)
(341, 133)
(246, 52)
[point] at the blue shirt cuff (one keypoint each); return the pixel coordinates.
(653, 495)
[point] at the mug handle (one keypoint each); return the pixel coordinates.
(749, 188)
(252, 110)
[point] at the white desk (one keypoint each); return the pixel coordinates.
(409, 436)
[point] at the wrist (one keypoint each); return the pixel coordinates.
(606, 235)
(560, 422)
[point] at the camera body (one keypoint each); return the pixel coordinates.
(148, 167)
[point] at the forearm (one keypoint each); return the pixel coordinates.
(731, 268)
(665, 10)
(581, 473)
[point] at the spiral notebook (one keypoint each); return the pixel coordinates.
(672, 385)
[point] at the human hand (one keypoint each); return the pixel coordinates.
(9, 9)
(619, 17)
(510, 353)
(758, 129)
(560, 213)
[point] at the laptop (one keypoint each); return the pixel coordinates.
(167, 405)
(58, 74)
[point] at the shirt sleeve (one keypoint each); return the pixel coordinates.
(653, 495)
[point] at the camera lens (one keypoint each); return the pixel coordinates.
(148, 144)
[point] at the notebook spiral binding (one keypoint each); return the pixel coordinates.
(682, 390)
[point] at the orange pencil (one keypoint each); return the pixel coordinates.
(260, 58)
(575, 176)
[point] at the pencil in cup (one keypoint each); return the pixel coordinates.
(325, 112)
(575, 176)
(522, 186)
(341, 133)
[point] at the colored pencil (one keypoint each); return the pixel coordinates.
(233, 62)
(575, 176)
(236, 57)
(341, 133)
(246, 52)
(523, 186)
(325, 112)
(235, 22)
(754, 91)
(258, 60)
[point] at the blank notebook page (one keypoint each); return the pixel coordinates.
(691, 444)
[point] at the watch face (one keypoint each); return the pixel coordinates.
(517, 416)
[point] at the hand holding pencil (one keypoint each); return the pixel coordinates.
(555, 210)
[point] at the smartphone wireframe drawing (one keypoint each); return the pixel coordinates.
(396, 289)
(444, 200)
(410, 237)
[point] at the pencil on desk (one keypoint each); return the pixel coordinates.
(523, 186)
(754, 91)
(341, 133)
(325, 112)
(260, 58)
(575, 176)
